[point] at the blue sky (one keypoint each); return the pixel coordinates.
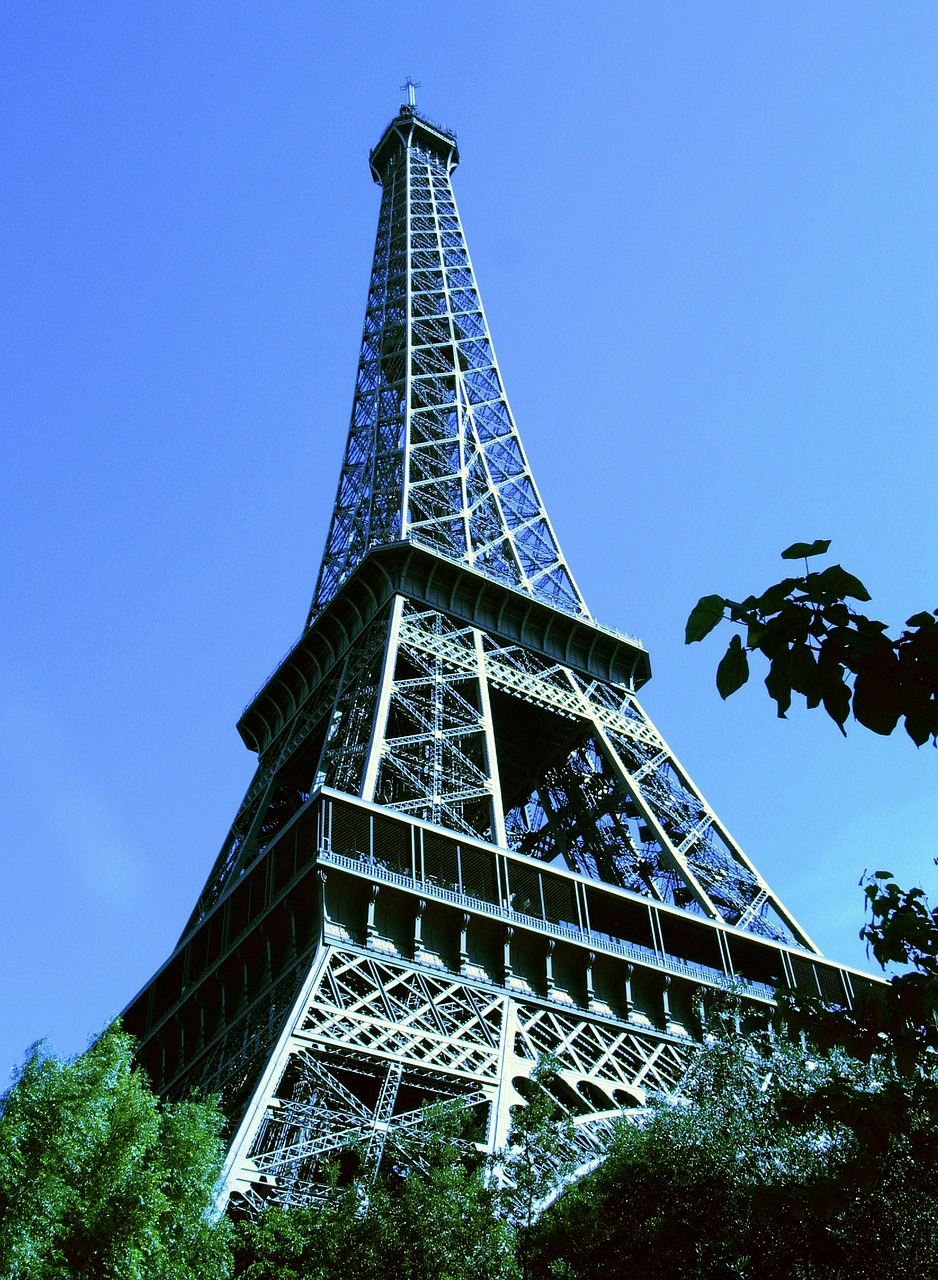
(705, 235)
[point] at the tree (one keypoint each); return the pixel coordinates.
(98, 1179)
(446, 1207)
(760, 1169)
(539, 1155)
(338, 1238)
(819, 646)
(433, 1215)
(816, 644)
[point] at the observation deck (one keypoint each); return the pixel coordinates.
(409, 129)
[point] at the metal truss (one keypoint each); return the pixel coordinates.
(422, 713)
(433, 454)
(434, 750)
(325, 743)
(375, 1038)
(451, 759)
(425, 719)
(596, 782)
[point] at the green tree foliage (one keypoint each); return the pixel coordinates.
(818, 645)
(539, 1155)
(899, 1021)
(780, 1158)
(540, 1151)
(761, 1169)
(448, 1210)
(336, 1238)
(893, 1027)
(98, 1180)
(434, 1215)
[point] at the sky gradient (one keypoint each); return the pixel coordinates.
(705, 237)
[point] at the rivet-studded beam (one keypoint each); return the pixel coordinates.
(462, 592)
(366, 961)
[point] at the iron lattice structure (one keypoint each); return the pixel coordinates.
(466, 845)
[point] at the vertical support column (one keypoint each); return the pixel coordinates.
(666, 1001)
(371, 929)
(418, 928)
(590, 990)
(700, 1010)
(629, 1002)
(385, 690)
(326, 922)
(498, 809)
(408, 350)
(500, 1122)
(508, 972)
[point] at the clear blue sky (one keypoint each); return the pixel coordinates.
(706, 239)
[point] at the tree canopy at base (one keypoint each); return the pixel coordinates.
(440, 1218)
(98, 1179)
(805, 1148)
(761, 1169)
(782, 1157)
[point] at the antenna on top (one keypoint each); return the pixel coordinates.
(411, 85)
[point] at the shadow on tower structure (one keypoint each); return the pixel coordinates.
(466, 845)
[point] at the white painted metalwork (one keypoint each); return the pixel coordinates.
(433, 453)
(462, 1040)
(466, 845)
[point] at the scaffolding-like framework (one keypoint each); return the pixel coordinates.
(466, 846)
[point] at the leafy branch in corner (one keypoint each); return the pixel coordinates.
(818, 645)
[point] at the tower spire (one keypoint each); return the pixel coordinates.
(410, 86)
(433, 456)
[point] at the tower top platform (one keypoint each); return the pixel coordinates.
(410, 129)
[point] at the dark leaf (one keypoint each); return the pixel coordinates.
(876, 702)
(804, 673)
(778, 681)
(705, 615)
(800, 550)
(772, 600)
(920, 649)
(776, 635)
(921, 620)
(838, 582)
(835, 693)
(796, 621)
(922, 723)
(733, 671)
(855, 648)
(868, 626)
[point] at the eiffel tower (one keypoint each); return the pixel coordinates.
(465, 845)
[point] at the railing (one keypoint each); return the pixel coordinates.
(375, 870)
